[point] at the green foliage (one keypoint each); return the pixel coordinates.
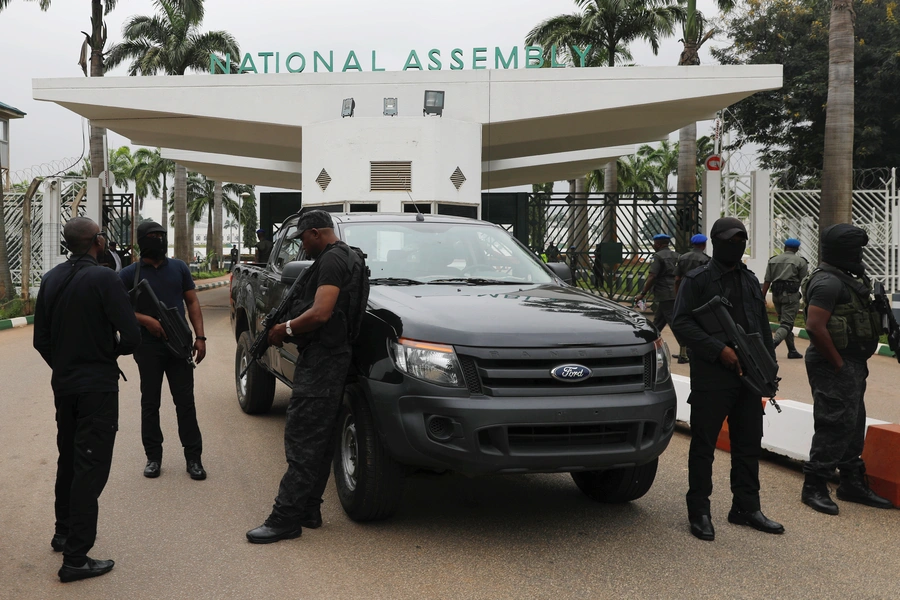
(789, 123)
(12, 309)
(648, 170)
(209, 274)
(249, 220)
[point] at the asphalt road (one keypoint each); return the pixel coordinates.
(502, 537)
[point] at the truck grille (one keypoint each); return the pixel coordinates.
(527, 372)
(571, 435)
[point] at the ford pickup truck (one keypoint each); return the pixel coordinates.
(474, 357)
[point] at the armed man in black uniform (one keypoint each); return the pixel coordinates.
(716, 388)
(687, 262)
(844, 329)
(322, 333)
(80, 312)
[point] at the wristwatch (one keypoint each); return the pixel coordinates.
(287, 327)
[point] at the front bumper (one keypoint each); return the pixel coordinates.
(481, 434)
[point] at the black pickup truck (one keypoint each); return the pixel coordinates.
(474, 357)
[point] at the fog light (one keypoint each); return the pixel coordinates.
(669, 420)
(440, 429)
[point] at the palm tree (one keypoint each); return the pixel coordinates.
(157, 168)
(837, 164)
(608, 26)
(171, 43)
(44, 4)
(202, 195)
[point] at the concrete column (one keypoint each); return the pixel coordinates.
(760, 222)
(51, 225)
(712, 199)
(94, 201)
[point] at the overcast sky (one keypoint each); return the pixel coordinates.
(41, 45)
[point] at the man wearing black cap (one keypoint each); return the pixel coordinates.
(172, 283)
(661, 279)
(263, 247)
(784, 274)
(716, 388)
(78, 313)
(323, 317)
(844, 329)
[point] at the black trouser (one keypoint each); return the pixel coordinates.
(839, 414)
(309, 429)
(154, 360)
(708, 412)
(86, 426)
(663, 314)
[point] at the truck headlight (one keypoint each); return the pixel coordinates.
(663, 358)
(436, 363)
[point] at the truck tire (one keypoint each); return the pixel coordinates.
(614, 486)
(256, 391)
(369, 482)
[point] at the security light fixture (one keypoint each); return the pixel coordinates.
(390, 107)
(434, 103)
(347, 107)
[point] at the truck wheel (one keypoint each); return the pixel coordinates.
(613, 486)
(256, 391)
(369, 482)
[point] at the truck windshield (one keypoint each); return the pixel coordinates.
(431, 252)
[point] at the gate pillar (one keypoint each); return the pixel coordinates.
(712, 199)
(51, 225)
(760, 222)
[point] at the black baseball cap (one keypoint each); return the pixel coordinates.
(148, 227)
(726, 228)
(313, 219)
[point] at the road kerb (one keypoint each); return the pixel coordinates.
(883, 349)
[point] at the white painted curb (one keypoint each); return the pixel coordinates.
(788, 433)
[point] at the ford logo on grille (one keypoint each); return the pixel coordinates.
(570, 373)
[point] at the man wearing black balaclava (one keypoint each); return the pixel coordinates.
(844, 329)
(172, 283)
(716, 388)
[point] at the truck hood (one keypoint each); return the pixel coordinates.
(507, 316)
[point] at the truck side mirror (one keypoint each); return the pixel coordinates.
(293, 270)
(562, 271)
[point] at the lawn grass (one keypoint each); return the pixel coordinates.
(210, 274)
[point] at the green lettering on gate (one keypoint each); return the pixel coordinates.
(513, 58)
(329, 64)
(291, 57)
(374, 68)
(554, 64)
(477, 59)
(582, 53)
(456, 56)
(355, 66)
(244, 68)
(412, 61)
(214, 62)
(434, 57)
(534, 53)
(265, 56)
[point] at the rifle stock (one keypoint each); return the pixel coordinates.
(760, 371)
(888, 322)
(179, 339)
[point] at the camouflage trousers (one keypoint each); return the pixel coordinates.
(309, 429)
(787, 306)
(839, 414)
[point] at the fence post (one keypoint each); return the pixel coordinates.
(94, 205)
(712, 199)
(51, 225)
(760, 222)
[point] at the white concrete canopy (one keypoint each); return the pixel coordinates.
(537, 124)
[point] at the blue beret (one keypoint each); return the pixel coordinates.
(661, 236)
(792, 243)
(699, 239)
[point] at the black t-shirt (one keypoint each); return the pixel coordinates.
(826, 291)
(332, 267)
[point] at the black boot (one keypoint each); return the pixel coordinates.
(855, 488)
(815, 494)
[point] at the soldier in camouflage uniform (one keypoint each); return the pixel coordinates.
(844, 328)
(687, 262)
(784, 273)
(662, 280)
(322, 331)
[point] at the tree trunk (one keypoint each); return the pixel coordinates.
(182, 231)
(581, 215)
(25, 279)
(687, 177)
(98, 41)
(570, 217)
(6, 285)
(610, 186)
(837, 167)
(209, 233)
(217, 226)
(165, 204)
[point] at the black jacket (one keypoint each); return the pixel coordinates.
(697, 288)
(79, 309)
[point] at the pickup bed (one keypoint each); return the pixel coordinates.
(475, 357)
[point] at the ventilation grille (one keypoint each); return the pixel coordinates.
(390, 176)
(323, 179)
(458, 178)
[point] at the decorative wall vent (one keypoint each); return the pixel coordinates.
(458, 178)
(390, 176)
(323, 179)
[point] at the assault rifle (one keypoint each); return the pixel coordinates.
(888, 322)
(276, 315)
(760, 371)
(179, 339)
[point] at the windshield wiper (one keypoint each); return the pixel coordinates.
(474, 281)
(394, 281)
